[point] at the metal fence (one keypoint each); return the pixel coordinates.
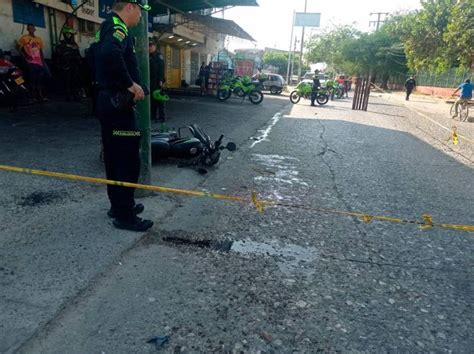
(451, 78)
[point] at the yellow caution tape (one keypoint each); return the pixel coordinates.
(257, 203)
(366, 218)
(428, 118)
(455, 136)
(427, 222)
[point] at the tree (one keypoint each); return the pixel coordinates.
(439, 36)
(327, 47)
(459, 35)
(280, 61)
(276, 59)
(347, 50)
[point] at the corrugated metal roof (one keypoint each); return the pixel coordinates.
(220, 25)
(160, 7)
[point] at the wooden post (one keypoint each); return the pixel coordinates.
(361, 93)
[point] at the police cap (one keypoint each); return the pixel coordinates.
(145, 7)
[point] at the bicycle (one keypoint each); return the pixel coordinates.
(463, 110)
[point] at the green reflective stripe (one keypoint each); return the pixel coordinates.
(126, 133)
(119, 22)
(120, 28)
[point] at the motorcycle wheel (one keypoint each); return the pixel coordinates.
(211, 160)
(322, 99)
(275, 90)
(256, 97)
(294, 97)
(223, 95)
(239, 92)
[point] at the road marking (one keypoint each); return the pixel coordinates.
(267, 131)
(438, 124)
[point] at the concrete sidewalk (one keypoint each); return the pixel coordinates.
(431, 116)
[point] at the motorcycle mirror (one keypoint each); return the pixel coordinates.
(231, 146)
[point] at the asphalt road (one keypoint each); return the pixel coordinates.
(218, 276)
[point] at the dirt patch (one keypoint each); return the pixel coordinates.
(41, 198)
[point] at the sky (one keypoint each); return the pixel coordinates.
(270, 23)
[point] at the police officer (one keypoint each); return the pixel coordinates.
(118, 79)
(316, 87)
(410, 84)
(68, 63)
(157, 79)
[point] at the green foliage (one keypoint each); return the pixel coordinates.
(279, 60)
(459, 35)
(439, 36)
(328, 47)
(347, 50)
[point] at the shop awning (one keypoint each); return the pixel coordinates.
(220, 25)
(160, 7)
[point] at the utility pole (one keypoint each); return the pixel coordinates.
(289, 51)
(379, 19)
(140, 34)
(302, 43)
(293, 57)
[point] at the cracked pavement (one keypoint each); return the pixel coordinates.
(291, 281)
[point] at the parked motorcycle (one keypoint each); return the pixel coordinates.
(304, 90)
(12, 87)
(190, 150)
(241, 87)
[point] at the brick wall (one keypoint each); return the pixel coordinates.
(435, 91)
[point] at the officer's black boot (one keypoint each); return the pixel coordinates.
(137, 209)
(133, 224)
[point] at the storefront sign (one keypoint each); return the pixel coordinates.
(105, 8)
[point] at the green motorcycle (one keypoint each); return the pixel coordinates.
(241, 87)
(304, 90)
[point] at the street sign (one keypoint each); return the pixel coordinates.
(307, 19)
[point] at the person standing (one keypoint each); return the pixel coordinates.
(202, 77)
(68, 63)
(410, 85)
(118, 79)
(316, 87)
(157, 79)
(466, 94)
(31, 50)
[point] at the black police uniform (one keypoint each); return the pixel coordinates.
(315, 88)
(68, 62)
(157, 74)
(116, 70)
(410, 84)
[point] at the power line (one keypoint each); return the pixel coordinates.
(379, 19)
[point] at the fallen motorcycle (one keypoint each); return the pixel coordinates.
(197, 149)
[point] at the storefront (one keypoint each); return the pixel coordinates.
(188, 40)
(48, 16)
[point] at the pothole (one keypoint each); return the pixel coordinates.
(290, 258)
